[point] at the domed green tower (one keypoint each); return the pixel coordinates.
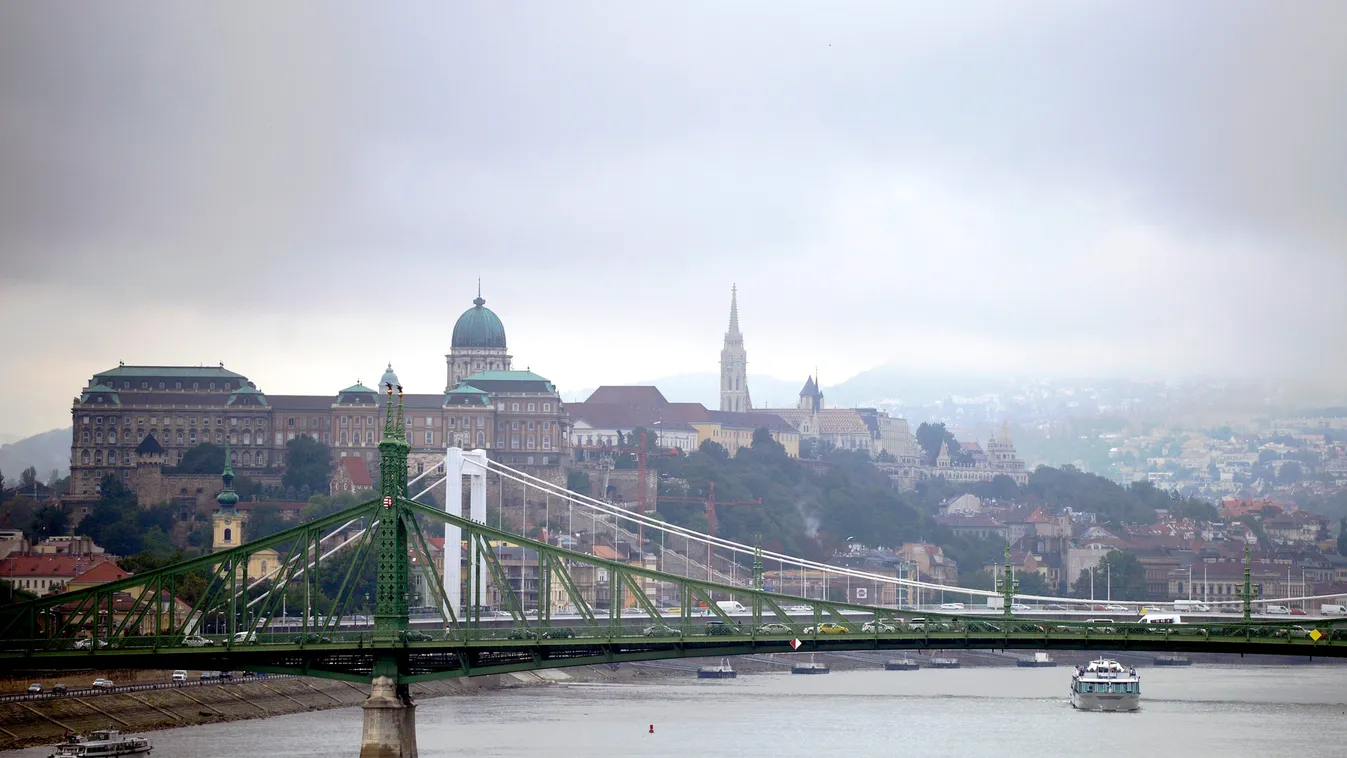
(478, 343)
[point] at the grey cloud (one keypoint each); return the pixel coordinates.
(979, 171)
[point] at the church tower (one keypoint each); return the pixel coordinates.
(227, 520)
(734, 364)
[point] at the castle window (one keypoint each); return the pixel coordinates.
(98, 420)
(547, 426)
(98, 457)
(514, 406)
(369, 436)
(161, 385)
(228, 535)
(430, 420)
(126, 385)
(344, 421)
(530, 442)
(233, 422)
(481, 438)
(112, 437)
(290, 422)
(177, 385)
(452, 421)
(547, 443)
(227, 386)
(369, 420)
(515, 426)
(84, 437)
(219, 437)
(514, 441)
(341, 438)
(196, 385)
(98, 437)
(212, 386)
(430, 437)
(247, 459)
(84, 457)
(144, 385)
(532, 406)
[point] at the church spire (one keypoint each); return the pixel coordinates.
(227, 498)
(734, 309)
(734, 363)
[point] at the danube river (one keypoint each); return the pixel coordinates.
(1234, 712)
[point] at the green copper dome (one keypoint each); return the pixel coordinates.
(479, 327)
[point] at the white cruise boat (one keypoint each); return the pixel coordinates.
(1105, 685)
(101, 743)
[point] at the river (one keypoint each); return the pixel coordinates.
(1235, 712)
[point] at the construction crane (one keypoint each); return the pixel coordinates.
(710, 502)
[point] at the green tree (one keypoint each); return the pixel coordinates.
(577, 480)
(265, 520)
(1119, 576)
(28, 479)
(47, 521)
(156, 542)
(206, 458)
(10, 594)
(308, 463)
(1033, 583)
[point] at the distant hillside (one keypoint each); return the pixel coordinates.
(45, 451)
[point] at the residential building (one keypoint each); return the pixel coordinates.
(43, 574)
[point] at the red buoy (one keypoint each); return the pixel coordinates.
(652, 728)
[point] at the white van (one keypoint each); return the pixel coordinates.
(1333, 610)
(1190, 606)
(731, 606)
(179, 676)
(1277, 610)
(1162, 618)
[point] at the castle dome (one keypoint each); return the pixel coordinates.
(389, 378)
(479, 327)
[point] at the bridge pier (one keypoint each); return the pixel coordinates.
(390, 721)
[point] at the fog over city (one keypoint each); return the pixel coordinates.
(306, 191)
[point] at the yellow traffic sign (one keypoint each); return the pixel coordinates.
(1315, 634)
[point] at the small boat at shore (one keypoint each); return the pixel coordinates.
(901, 664)
(944, 663)
(102, 743)
(723, 671)
(1039, 661)
(1105, 685)
(810, 668)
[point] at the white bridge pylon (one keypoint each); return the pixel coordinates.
(459, 463)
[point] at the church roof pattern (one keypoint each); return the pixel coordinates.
(149, 446)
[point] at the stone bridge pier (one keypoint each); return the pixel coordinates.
(390, 721)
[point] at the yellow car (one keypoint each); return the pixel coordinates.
(828, 627)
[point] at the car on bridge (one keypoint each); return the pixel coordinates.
(882, 627)
(87, 643)
(559, 633)
(521, 634)
(311, 639)
(196, 640)
(180, 675)
(951, 606)
(717, 628)
(35, 688)
(774, 629)
(412, 635)
(58, 689)
(659, 630)
(828, 627)
(103, 684)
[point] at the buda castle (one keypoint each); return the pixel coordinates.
(134, 422)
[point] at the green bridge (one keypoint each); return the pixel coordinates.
(236, 620)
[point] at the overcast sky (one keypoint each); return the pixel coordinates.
(305, 191)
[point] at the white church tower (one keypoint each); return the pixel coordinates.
(734, 364)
